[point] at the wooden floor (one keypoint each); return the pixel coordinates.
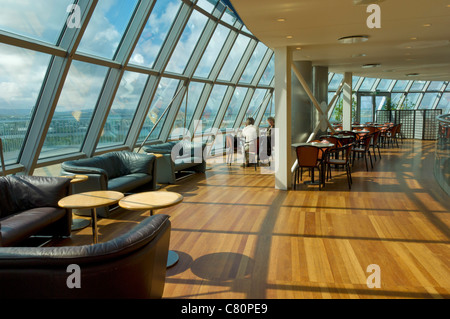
(239, 237)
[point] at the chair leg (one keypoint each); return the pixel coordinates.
(348, 177)
(370, 156)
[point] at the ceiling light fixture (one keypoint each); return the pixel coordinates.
(412, 74)
(359, 55)
(289, 37)
(371, 65)
(427, 25)
(353, 39)
(281, 20)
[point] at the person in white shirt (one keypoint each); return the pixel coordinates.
(250, 134)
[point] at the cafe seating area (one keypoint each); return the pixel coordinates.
(341, 149)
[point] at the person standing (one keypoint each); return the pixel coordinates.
(250, 134)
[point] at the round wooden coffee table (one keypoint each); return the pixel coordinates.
(91, 200)
(152, 201)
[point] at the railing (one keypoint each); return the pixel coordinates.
(442, 161)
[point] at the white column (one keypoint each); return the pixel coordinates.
(283, 156)
(347, 102)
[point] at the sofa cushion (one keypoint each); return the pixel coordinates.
(19, 226)
(20, 193)
(129, 182)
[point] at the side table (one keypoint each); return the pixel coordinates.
(152, 201)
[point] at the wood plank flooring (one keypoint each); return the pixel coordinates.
(239, 237)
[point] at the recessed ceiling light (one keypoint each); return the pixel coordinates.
(298, 48)
(353, 39)
(412, 74)
(281, 20)
(289, 37)
(358, 55)
(371, 65)
(427, 25)
(414, 38)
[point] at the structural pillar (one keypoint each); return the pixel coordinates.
(283, 155)
(347, 102)
(320, 91)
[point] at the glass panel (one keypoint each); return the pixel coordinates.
(395, 99)
(212, 51)
(183, 122)
(254, 63)
(410, 102)
(165, 93)
(355, 80)
(123, 109)
(269, 73)
(255, 103)
(270, 112)
(380, 102)
(229, 17)
(367, 84)
(335, 81)
(435, 86)
(400, 85)
(417, 85)
(444, 103)
(234, 58)
(74, 110)
(234, 107)
(366, 109)
(44, 21)
(213, 105)
(384, 85)
(187, 43)
(106, 27)
(21, 75)
(207, 5)
(428, 100)
(155, 32)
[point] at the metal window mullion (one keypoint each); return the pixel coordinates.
(207, 90)
(244, 107)
(262, 109)
(174, 109)
(173, 37)
(222, 57)
(200, 48)
(262, 67)
(112, 82)
(224, 106)
(142, 111)
(51, 90)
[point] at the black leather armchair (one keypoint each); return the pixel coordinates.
(121, 171)
(130, 266)
(29, 206)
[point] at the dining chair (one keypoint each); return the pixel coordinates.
(363, 148)
(344, 161)
(309, 157)
(375, 143)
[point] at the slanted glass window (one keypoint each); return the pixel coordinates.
(435, 86)
(187, 43)
(400, 85)
(106, 27)
(428, 100)
(270, 112)
(367, 84)
(207, 5)
(254, 63)
(43, 21)
(355, 80)
(155, 32)
(410, 102)
(21, 75)
(384, 85)
(396, 99)
(229, 17)
(123, 109)
(444, 103)
(417, 86)
(212, 107)
(234, 107)
(75, 108)
(335, 82)
(234, 58)
(187, 109)
(255, 103)
(167, 90)
(269, 73)
(212, 51)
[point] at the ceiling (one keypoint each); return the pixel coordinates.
(403, 45)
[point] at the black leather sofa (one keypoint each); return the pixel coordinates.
(177, 156)
(130, 266)
(121, 171)
(29, 206)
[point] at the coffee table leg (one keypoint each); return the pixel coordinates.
(94, 225)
